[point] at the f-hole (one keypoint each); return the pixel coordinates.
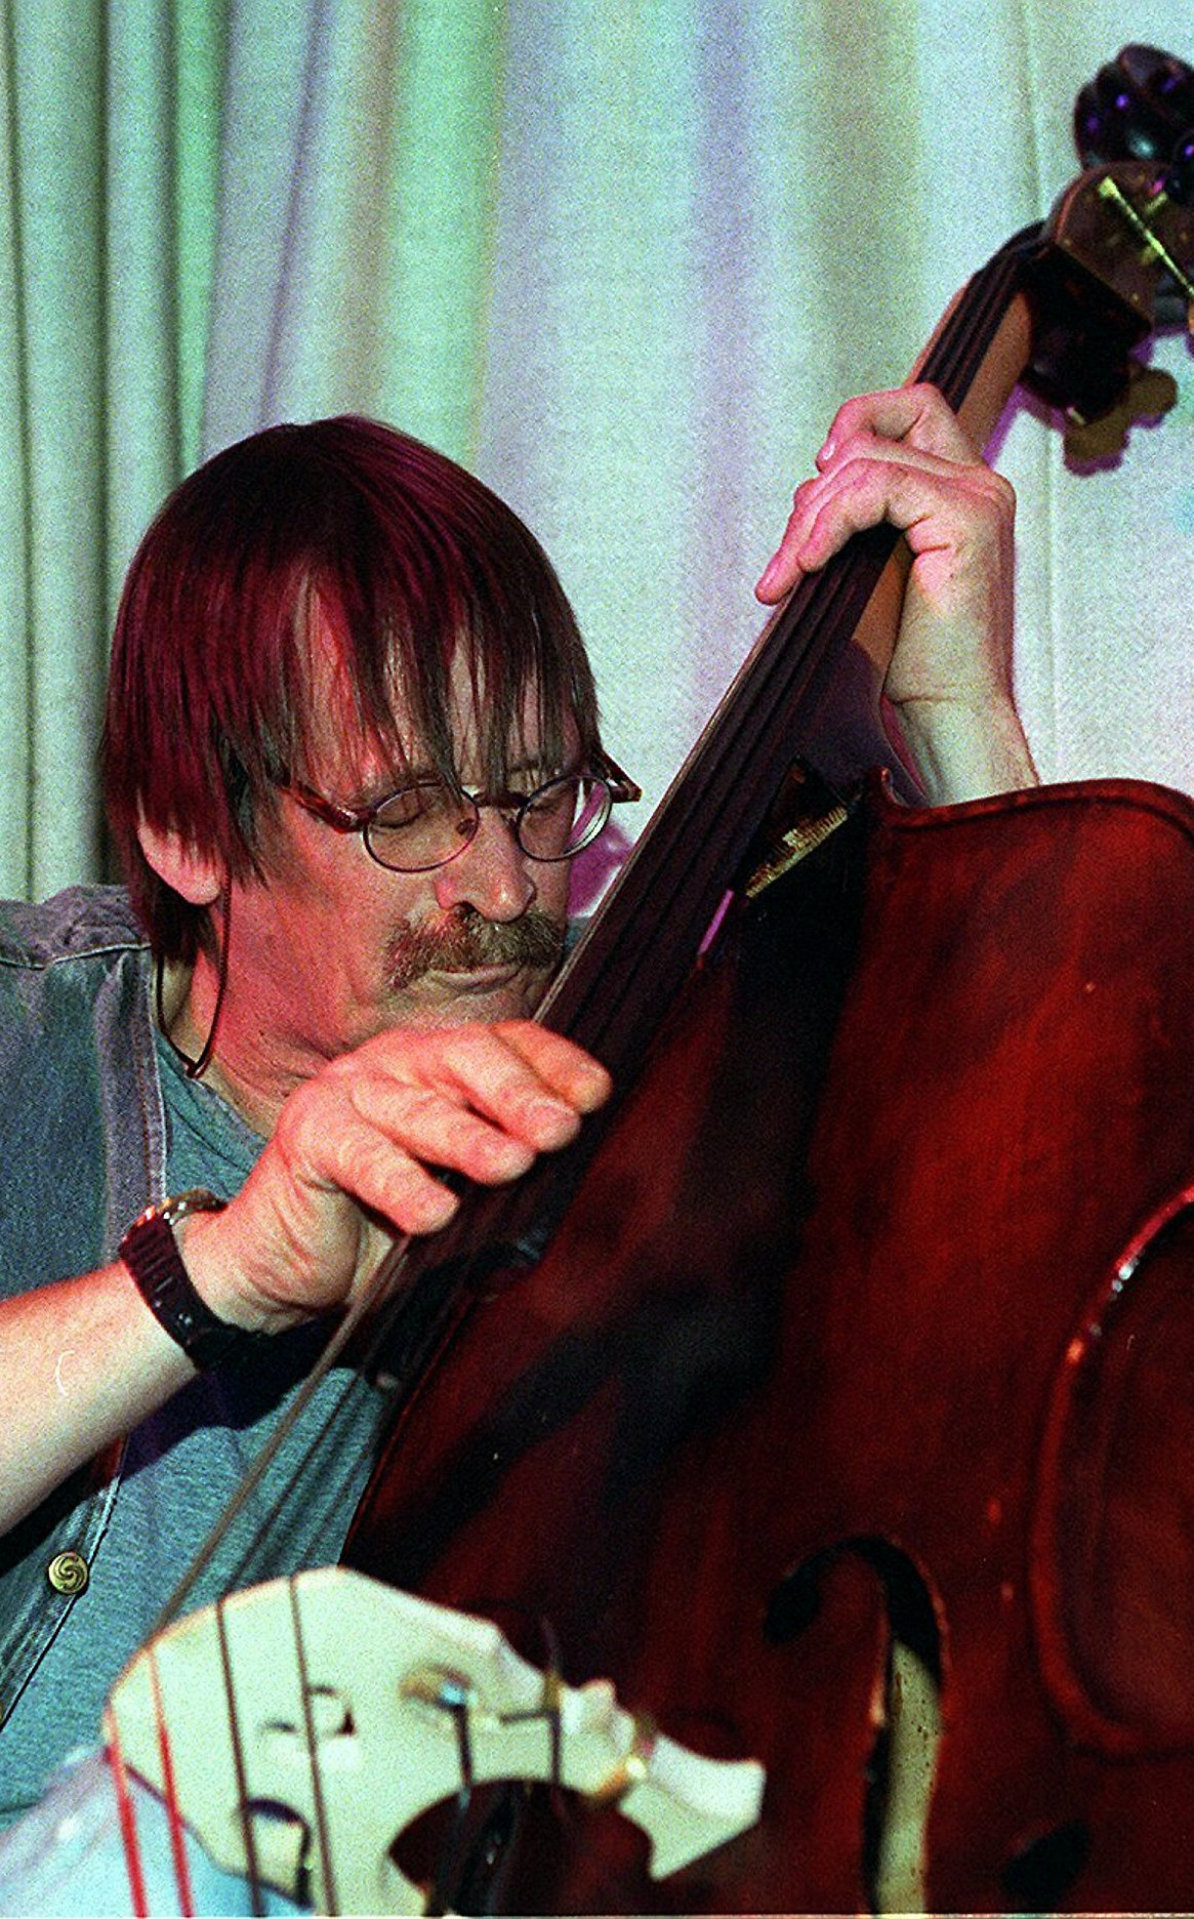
(899, 1782)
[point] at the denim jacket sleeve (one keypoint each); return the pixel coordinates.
(81, 1153)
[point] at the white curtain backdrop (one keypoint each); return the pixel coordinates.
(623, 259)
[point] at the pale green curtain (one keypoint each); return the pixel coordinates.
(622, 258)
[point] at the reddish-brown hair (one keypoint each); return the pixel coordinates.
(213, 693)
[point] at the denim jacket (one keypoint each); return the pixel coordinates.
(82, 1152)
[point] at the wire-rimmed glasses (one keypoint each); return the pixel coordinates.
(429, 822)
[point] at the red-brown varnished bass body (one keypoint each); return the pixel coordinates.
(831, 1340)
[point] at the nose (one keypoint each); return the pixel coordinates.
(492, 875)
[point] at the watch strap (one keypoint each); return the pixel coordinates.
(150, 1252)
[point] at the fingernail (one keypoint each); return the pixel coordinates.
(438, 1210)
(767, 575)
(597, 1091)
(826, 452)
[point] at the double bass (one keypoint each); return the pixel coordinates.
(839, 1375)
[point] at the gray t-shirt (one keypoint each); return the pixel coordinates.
(184, 1465)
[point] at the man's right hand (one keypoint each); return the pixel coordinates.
(350, 1166)
(351, 1161)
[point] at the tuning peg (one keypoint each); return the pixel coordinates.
(1137, 107)
(1151, 392)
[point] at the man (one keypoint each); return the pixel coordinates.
(320, 618)
(351, 741)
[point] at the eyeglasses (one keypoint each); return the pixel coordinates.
(429, 822)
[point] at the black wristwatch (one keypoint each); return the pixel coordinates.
(150, 1251)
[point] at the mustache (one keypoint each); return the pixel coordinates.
(465, 944)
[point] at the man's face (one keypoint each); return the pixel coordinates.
(333, 948)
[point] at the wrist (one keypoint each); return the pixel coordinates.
(226, 1280)
(966, 747)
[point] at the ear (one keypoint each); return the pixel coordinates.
(197, 877)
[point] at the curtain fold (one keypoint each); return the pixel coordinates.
(624, 260)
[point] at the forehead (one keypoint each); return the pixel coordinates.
(349, 750)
